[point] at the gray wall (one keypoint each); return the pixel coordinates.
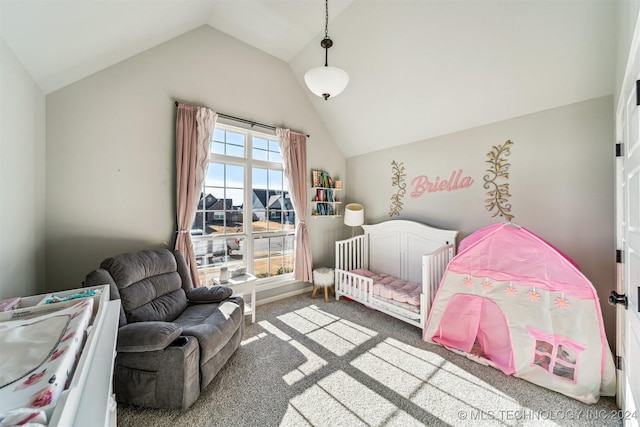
(561, 179)
(111, 145)
(22, 189)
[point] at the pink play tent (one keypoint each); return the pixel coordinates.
(511, 300)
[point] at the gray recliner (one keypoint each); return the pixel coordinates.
(172, 339)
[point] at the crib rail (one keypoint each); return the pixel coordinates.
(351, 285)
(352, 254)
(434, 265)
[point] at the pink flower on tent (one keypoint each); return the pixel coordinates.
(511, 290)
(486, 285)
(533, 295)
(467, 281)
(561, 302)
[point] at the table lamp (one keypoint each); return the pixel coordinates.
(354, 216)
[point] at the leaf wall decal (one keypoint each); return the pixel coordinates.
(499, 169)
(397, 180)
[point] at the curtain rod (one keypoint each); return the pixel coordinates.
(249, 122)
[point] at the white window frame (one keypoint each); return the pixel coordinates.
(248, 164)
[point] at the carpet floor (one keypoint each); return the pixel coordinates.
(310, 363)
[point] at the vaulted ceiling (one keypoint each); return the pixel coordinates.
(418, 68)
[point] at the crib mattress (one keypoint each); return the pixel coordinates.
(39, 355)
(392, 288)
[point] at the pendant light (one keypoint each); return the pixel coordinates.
(326, 81)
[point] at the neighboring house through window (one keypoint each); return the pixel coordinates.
(244, 216)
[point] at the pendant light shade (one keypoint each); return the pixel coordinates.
(326, 81)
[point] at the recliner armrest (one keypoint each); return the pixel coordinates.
(208, 295)
(140, 337)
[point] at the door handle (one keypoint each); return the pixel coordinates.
(616, 298)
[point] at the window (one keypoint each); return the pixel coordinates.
(557, 355)
(244, 216)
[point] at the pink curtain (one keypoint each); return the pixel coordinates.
(294, 158)
(194, 127)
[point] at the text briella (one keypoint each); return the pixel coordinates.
(421, 184)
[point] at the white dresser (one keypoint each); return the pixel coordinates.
(89, 399)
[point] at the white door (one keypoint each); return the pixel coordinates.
(628, 231)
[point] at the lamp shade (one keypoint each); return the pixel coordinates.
(326, 81)
(354, 214)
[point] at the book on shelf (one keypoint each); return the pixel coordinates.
(323, 209)
(320, 178)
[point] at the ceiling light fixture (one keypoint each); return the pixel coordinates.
(326, 81)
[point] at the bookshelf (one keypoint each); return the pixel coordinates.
(325, 202)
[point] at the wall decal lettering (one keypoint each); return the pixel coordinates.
(397, 180)
(499, 193)
(421, 184)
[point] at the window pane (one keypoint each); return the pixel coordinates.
(275, 179)
(261, 258)
(543, 361)
(235, 138)
(267, 150)
(215, 193)
(235, 176)
(260, 155)
(218, 135)
(258, 222)
(567, 354)
(567, 372)
(288, 254)
(260, 199)
(260, 143)
(274, 152)
(235, 195)
(259, 178)
(289, 242)
(215, 175)
(217, 148)
(289, 220)
(235, 151)
(544, 347)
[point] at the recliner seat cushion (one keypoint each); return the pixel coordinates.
(212, 324)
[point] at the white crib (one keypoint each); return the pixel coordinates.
(404, 249)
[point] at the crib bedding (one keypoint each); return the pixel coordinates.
(402, 305)
(393, 289)
(39, 356)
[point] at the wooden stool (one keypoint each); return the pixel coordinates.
(323, 278)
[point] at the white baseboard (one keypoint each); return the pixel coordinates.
(284, 295)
